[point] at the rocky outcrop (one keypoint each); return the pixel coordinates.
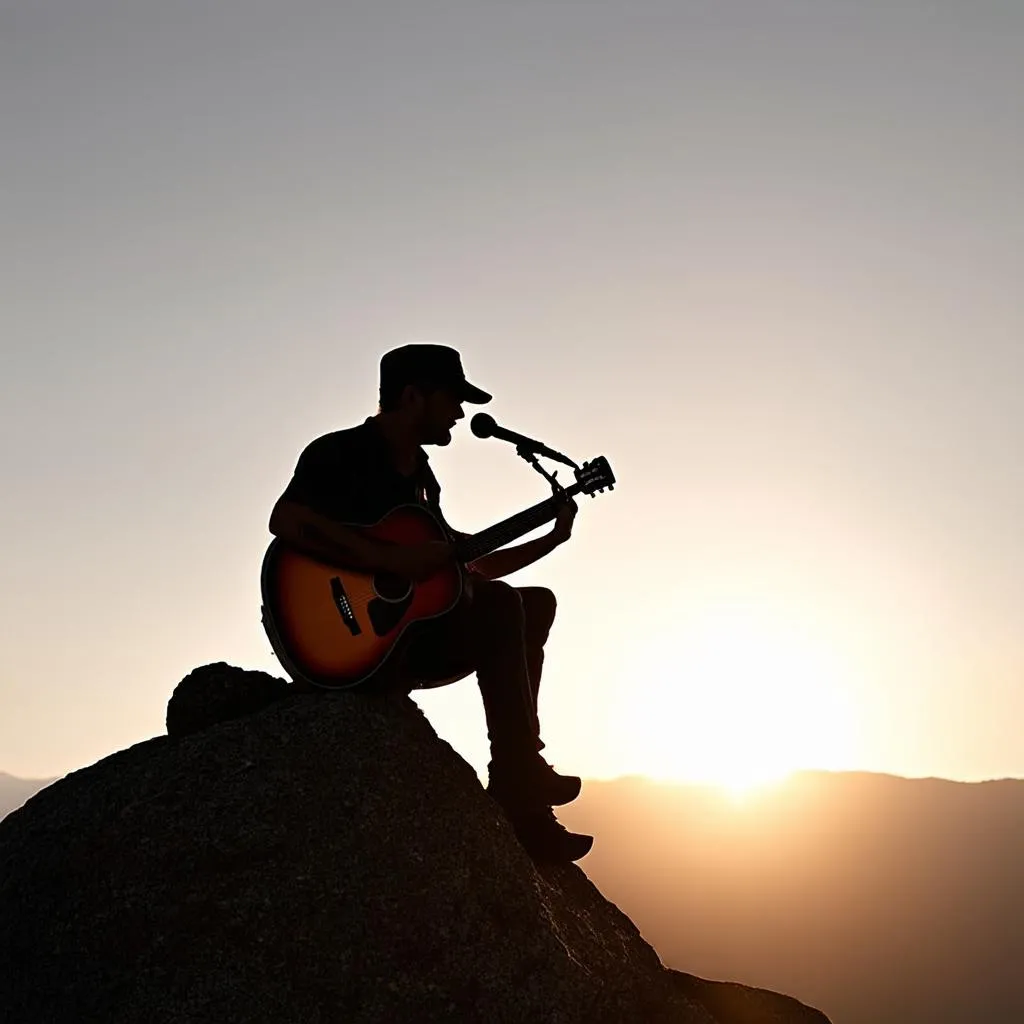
(325, 859)
(218, 693)
(14, 792)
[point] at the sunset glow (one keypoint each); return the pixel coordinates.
(745, 697)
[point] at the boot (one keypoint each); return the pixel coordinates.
(532, 783)
(546, 840)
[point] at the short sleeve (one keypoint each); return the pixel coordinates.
(323, 480)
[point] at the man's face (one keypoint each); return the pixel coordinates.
(441, 411)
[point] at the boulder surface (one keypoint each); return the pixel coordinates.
(324, 859)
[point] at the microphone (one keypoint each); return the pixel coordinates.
(484, 425)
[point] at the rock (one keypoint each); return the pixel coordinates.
(217, 693)
(14, 792)
(326, 860)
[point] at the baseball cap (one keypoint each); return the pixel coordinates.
(434, 364)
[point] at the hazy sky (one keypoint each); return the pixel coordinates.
(764, 255)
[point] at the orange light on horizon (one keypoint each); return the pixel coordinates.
(737, 694)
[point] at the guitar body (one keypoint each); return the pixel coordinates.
(334, 628)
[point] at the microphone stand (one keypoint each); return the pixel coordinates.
(531, 457)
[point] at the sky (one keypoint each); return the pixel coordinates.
(764, 255)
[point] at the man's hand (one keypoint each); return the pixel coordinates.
(508, 560)
(419, 562)
(562, 530)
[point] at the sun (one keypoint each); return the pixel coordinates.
(736, 694)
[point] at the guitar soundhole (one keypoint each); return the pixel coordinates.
(390, 587)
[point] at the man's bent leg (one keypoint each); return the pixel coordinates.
(512, 633)
(491, 633)
(485, 635)
(499, 634)
(498, 650)
(520, 780)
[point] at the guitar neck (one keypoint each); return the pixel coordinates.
(508, 530)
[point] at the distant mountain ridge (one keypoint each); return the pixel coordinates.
(14, 791)
(885, 899)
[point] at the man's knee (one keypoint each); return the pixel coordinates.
(495, 599)
(539, 606)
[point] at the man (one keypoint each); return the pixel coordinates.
(358, 475)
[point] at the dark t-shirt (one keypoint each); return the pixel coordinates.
(348, 476)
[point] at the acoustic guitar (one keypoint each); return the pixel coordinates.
(335, 628)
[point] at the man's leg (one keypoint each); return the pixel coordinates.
(539, 614)
(497, 645)
(490, 634)
(487, 635)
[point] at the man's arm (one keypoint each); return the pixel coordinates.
(319, 537)
(509, 560)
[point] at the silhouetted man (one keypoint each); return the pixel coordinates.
(356, 476)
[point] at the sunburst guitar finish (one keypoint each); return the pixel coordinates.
(334, 627)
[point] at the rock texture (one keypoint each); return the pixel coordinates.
(326, 859)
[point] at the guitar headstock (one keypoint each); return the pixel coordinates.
(595, 476)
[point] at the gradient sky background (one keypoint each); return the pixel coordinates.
(764, 255)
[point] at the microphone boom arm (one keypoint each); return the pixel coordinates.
(528, 456)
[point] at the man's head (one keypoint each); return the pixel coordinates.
(426, 385)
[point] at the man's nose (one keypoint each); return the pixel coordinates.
(459, 413)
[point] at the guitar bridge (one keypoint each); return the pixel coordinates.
(344, 606)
